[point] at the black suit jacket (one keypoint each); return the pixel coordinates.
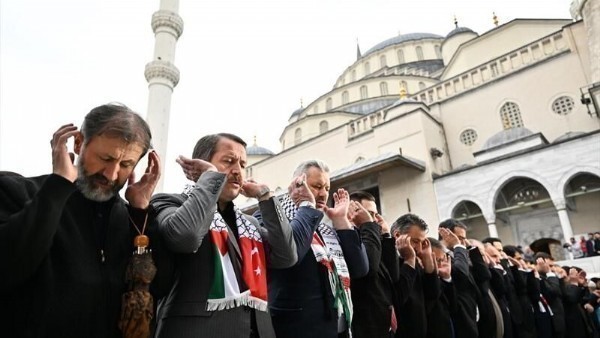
(373, 295)
(467, 295)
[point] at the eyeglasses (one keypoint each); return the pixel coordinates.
(443, 259)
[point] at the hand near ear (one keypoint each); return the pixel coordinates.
(62, 160)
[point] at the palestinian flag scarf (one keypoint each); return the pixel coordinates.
(225, 292)
(327, 250)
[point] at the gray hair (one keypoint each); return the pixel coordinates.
(303, 167)
(117, 120)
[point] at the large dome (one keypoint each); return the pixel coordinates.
(400, 39)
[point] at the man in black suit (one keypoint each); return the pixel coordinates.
(551, 287)
(417, 275)
(220, 256)
(373, 294)
(454, 235)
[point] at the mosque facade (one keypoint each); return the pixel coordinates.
(497, 129)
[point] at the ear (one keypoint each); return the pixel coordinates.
(78, 143)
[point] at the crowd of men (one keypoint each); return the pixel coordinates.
(79, 260)
(589, 247)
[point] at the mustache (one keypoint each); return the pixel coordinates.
(102, 180)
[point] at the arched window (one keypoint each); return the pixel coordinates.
(345, 97)
(563, 105)
(383, 87)
(363, 92)
(419, 53)
(353, 76)
(382, 61)
(438, 51)
(421, 85)
(323, 127)
(404, 85)
(367, 68)
(328, 104)
(400, 56)
(510, 115)
(298, 136)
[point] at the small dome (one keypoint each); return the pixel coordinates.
(459, 30)
(506, 136)
(400, 39)
(568, 135)
(297, 112)
(257, 150)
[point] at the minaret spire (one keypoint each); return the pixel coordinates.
(162, 75)
(358, 53)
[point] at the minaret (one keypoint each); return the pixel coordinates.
(162, 75)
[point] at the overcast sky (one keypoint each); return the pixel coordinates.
(245, 65)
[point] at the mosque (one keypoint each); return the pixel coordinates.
(497, 129)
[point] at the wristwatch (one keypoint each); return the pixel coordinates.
(262, 192)
(306, 204)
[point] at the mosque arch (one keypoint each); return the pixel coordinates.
(471, 215)
(582, 197)
(525, 211)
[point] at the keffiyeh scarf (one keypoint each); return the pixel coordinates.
(225, 292)
(327, 250)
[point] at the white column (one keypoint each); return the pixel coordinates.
(563, 216)
(492, 230)
(490, 218)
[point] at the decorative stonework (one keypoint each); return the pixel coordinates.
(162, 69)
(167, 19)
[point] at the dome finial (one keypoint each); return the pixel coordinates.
(255, 144)
(455, 21)
(495, 18)
(402, 92)
(301, 103)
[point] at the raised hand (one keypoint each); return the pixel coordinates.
(385, 227)
(445, 268)
(449, 238)
(138, 193)
(542, 266)
(299, 191)
(62, 160)
(406, 250)
(338, 214)
(253, 189)
(357, 214)
(194, 168)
